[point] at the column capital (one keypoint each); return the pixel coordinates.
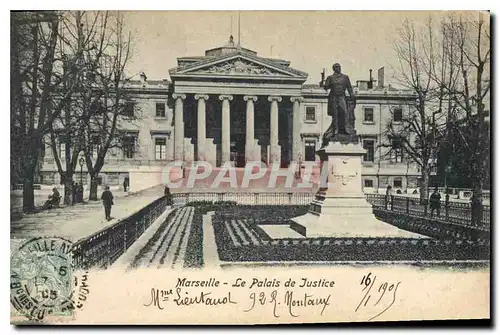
(201, 96)
(274, 98)
(178, 95)
(298, 99)
(225, 97)
(250, 97)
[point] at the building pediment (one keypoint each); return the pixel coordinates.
(238, 64)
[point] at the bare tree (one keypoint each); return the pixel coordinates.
(415, 134)
(107, 105)
(82, 37)
(90, 125)
(469, 50)
(36, 76)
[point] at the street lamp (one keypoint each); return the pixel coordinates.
(82, 161)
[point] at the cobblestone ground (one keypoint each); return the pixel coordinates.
(81, 220)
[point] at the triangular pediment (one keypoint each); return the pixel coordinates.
(239, 64)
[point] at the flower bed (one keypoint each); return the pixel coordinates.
(355, 249)
(251, 244)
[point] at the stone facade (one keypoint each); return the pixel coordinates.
(232, 105)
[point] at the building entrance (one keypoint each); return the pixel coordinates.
(238, 150)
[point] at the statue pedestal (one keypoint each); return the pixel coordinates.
(341, 209)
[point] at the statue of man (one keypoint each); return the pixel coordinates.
(340, 107)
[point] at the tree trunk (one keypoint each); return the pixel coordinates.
(477, 199)
(28, 194)
(424, 186)
(29, 168)
(93, 188)
(68, 189)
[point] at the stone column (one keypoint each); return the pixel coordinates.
(202, 132)
(179, 126)
(226, 130)
(250, 136)
(296, 143)
(274, 155)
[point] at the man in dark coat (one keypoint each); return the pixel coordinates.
(388, 197)
(107, 200)
(125, 184)
(168, 195)
(435, 202)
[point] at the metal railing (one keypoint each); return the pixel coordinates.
(104, 247)
(246, 198)
(450, 211)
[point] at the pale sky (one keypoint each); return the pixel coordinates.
(311, 40)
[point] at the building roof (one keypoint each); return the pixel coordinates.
(228, 51)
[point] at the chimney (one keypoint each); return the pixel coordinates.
(370, 81)
(381, 77)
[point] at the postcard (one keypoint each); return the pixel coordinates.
(251, 167)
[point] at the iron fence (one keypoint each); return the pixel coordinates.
(450, 211)
(104, 247)
(101, 249)
(246, 198)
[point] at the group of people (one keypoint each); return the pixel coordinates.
(55, 198)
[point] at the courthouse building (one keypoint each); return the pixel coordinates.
(232, 105)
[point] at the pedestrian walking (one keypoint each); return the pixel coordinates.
(435, 202)
(125, 184)
(388, 197)
(107, 201)
(168, 195)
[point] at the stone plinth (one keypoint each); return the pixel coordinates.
(340, 208)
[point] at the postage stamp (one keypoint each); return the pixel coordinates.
(41, 278)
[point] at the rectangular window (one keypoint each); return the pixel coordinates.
(368, 115)
(160, 148)
(129, 110)
(397, 150)
(99, 180)
(310, 150)
(368, 183)
(128, 146)
(369, 146)
(62, 146)
(397, 183)
(398, 114)
(160, 109)
(311, 113)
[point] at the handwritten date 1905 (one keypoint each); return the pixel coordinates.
(385, 289)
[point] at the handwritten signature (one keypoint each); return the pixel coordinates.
(157, 297)
(292, 302)
(384, 287)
